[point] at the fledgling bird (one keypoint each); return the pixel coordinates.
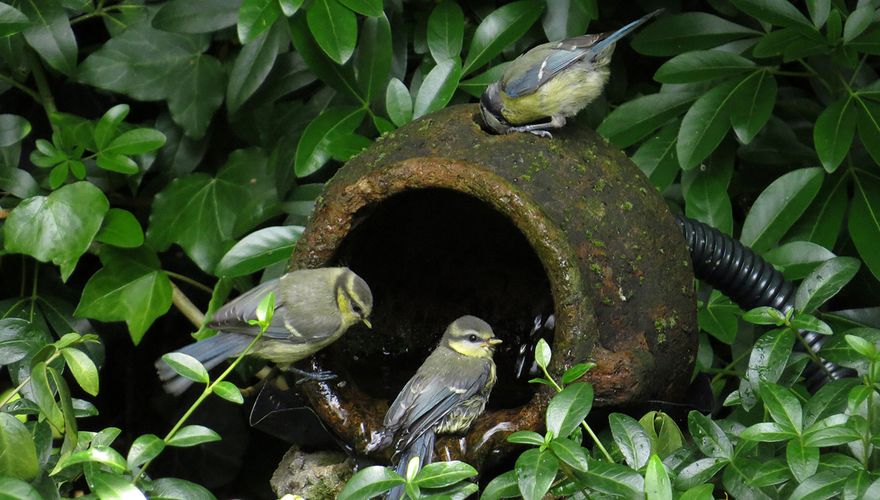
(554, 80)
(313, 308)
(447, 393)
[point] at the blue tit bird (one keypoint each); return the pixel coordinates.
(554, 80)
(446, 394)
(313, 308)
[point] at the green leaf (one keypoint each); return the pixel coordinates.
(228, 391)
(443, 474)
(567, 18)
(252, 66)
(535, 471)
(708, 437)
(111, 486)
(196, 16)
(503, 486)
(575, 372)
(699, 472)
(18, 183)
(438, 87)
(635, 119)
(107, 127)
(103, 455)
(131, 287)
(135, 142)
(718, 317)
(16, 489)
(764, 315)
(832, 431)
(255, 17)
(476, 85)
(864, 220)
(657, 158)
(171, 488)
(869, 127)
(705, 194)
(657, 483)
(768, 432)
(338, 77)
(677, 33)
(819, 10)
(445, 30)
(770, 356)
(666, 437)
(802, 460)
(50, 34)
(371, 8)
(83, 369)
(701, 492)
(143, 449)
(857, 22)
(825, 484)
(570, 453)
(373, 62)
(830, 399)
(13, 128)
(59, 227)
(259, 250)
(186, 366)
(542, 354)
(751, 106)
(779, 206)
(370, 482)
(797, 258)
(12, 20)
(192, 435)
(861, 346)
(500, 28)
(833, 133)
(121, 229)
(777, 12)
(783, 406)
(706, 123)
(398, 102)
(702, 65)
(334, 28)
(568, 408)
(618, 481)
(19, 338)
(114, 163)
(632, 440)
(19, 456)
(824, 282)
(312, 152)
(526, 437)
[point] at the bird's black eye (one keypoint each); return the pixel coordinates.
(472, 338)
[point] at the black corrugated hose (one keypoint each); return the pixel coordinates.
(738, 272)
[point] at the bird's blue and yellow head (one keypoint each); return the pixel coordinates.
(554, 80)
(470, 336)
(354, 298)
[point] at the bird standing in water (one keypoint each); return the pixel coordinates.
(554, 80)
(313, 308)
(447, 393)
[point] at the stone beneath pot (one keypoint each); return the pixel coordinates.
(317, 476)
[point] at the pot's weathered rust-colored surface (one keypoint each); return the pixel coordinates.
(602, 239)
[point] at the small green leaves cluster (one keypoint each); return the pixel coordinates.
(435, 480)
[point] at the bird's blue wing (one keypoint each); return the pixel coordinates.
(234, 316)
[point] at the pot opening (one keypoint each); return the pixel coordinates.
(430, 256)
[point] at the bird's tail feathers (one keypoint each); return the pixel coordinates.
(422, 447)
(622, 32)
(210, 352)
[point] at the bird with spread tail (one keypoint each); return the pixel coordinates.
(555, 80)
(446, 394)
(313, 308)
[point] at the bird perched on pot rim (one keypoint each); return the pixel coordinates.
(313, 308)
(554, 80)
(447, 393)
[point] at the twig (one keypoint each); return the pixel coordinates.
(184, 305)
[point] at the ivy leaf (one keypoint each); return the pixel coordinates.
(834, 133)
(779, 206)
(438, 87)
(121, 229)
(252, 66)
(751, 105)
(50, 34)
(131, 287)
(59, 227)
(864, 220)
(674, 34)
(824, 282)
(259, 250)
(631, 439)
(196, 16)
(702, 65)
(445, 30)
(535, 471)
(334, 28)
(633, 120)
(197, 95)
(373, 62)
(313, 152)
(255, 17)
(500, 28)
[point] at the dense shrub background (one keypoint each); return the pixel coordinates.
(154, 156)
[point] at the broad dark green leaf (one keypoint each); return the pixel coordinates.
(83, 369)
(57, 228)
(751, 105)
(567, 18)
(718, 317)
(131, 287)
(568, 408)
(575, 372)
(823, 220)
(346, 146)
(526, 437)
(144, 449)
(798, 258)
(16, 489)
(312, 152)
(503, 486)
(832, 431)
(736, 481)
(12, 20)
(570, 453)
(767, 432)
(709, 438)
(802, 460)
(186, 366)
(778, 12)
(869, 127)
(657, 158)
(779, 206)
(864, 220)
(631, 439)
(13, 128)
(499, 29)
(373, 60)
(371, 8)
(370, 482)
(783, 406)
(699, 472)
(635, 119)
(810, 323)
(121, 229)
(196, 16)
(442, 474)
(857, 485)
(445, 30)
(228, 391)
(833, 133)
(677, 33)
(398, 102)
(338, 77)
(824, 282)
(825, 484)
(135, 142)
(701, 492)
(192, 435)
(50, 34)
(705, 194)
(535, 472)
(22, 464)
(334, 28)
(259, 250)
(109, 161)
(616, 480)
(764, 315)
(830, 399)
(108, 126)
(857, 21)
(252, 66)
(819, 10)
(18, 182)
(112, 486)
(705, 124)
(657, 483)
(103, 455)
(438, 87)
(255, 17)
(476, 85)
(171, 488)
(769, 356)
(702, 65)
(19, 338)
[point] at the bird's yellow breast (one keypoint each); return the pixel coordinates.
(565, 94)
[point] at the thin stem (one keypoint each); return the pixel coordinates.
(34, 290)
(730, 365)
(187, 279)
(816, 74)
(184, 305)
(858, 67)
(24, 88)
(810, 352)
(46, 98)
